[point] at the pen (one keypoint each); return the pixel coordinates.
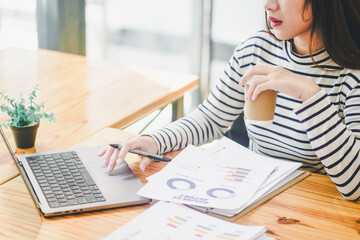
(157, 158)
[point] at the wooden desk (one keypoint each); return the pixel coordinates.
(86, 96)
(311, 209)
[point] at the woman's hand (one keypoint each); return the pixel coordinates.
(115, 156)
(264, 76)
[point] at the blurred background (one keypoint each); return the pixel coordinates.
(189, 36)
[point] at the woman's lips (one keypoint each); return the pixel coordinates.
(274, 22)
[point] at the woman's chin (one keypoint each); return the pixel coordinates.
(281, 35)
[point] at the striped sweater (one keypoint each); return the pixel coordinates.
(323, 133)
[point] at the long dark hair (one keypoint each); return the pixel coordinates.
(338, 22)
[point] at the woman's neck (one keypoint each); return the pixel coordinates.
(301, 45)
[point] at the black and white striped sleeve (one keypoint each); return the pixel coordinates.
(209, 120)
(335, 137)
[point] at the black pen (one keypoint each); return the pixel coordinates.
(157, 158)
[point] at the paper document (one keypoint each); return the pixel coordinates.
(284, 171)
(226, 148)
(198, 178)
(170, 221)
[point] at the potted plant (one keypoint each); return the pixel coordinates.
(24, 117)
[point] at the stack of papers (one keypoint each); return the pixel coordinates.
(177, 222)
(225, 179)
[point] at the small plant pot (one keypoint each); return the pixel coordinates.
(25, 136)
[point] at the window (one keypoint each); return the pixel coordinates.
(18, 24)
(232, 23)
(189, 36)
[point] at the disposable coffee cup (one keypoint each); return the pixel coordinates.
(260, 111)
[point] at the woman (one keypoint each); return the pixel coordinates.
(311, 57)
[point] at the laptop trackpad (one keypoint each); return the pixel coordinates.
(120, 173)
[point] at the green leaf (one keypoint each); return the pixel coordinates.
(31, 117)
(23, 111)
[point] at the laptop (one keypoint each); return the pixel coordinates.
(74, 180)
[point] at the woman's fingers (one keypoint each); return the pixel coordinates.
(108, 154)
(259, 88)
(145, 161)
(102, 151)
(259, 69)
(126, 146)
(112, 161)
(265, 76)
(255, 82)
(113, 156)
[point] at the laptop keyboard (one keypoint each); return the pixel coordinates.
(64, 180)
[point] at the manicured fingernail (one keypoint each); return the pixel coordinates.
(142, 167)
(108, 170)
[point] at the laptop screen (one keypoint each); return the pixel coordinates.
(7, 144)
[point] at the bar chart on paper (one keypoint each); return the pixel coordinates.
(236, 174)
(186, 223)
(169, 221)
(189, 229)
(189, 226)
